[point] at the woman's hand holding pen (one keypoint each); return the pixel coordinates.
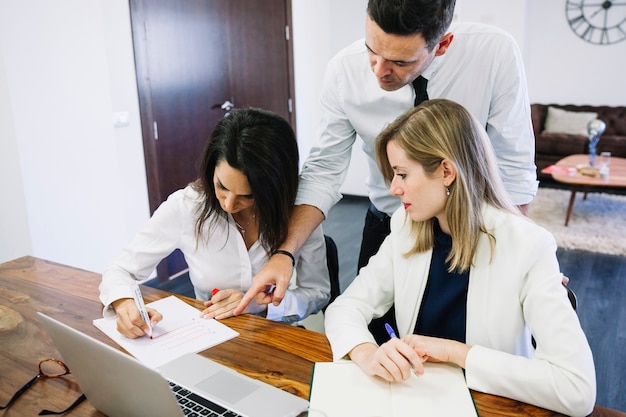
(392, 361)
(129, 321)
(223, 303)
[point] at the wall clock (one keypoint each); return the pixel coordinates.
(596, 21)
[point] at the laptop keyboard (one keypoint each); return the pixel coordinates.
(194, 405)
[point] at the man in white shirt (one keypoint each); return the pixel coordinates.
(369, 84)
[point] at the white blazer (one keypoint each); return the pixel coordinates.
(513, 292)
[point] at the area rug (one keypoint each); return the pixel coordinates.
(597, 224)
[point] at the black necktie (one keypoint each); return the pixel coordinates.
(419, 84)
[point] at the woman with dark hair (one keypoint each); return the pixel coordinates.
(227, 224)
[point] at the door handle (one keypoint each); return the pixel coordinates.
(227, 106)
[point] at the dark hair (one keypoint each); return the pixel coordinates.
(262, 145)
(430, 18)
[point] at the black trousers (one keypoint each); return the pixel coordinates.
(375, 230)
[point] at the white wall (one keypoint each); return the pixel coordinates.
(321, 29)
(14, 230)
(73, 187)
(560, 67)
(66, 67)
(563, 68)
(312, 40)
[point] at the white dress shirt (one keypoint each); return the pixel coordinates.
(482, 70)
(221, 260)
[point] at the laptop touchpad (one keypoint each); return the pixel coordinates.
(227, 387)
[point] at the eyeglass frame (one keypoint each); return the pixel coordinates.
(43, 374)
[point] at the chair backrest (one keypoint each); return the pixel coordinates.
(332, 261)
(572, 297)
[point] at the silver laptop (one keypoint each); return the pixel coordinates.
(117, 384)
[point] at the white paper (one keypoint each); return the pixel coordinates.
(181, 331)
(342, 389)
(441, 391)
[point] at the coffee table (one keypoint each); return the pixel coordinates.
(616, 178)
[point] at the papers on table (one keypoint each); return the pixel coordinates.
(181, 331)
(341, 389)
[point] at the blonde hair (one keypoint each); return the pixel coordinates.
(443, 129)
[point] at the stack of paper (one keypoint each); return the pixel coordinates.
(342, 389)
(181, 331)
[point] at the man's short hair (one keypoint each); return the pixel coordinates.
(430, 18)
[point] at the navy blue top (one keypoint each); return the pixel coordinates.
(444, 307)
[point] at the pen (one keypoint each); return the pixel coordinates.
(142, 307)
(215, 291)
(390, 331)
(392, 334)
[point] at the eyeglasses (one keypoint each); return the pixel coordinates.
(48, 368)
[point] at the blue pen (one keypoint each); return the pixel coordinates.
(392, 334)
(390, 331)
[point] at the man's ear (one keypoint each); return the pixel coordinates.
(444, 43)
(449, 172)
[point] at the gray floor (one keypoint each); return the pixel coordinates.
(598, 280)
(345, 225)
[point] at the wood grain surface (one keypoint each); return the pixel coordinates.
(278, 354)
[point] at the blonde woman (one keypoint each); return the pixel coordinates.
(470, 278)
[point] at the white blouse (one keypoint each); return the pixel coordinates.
(221, 261)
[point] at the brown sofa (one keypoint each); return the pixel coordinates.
(550, 147)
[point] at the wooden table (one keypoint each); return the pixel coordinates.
(616, 178)
(276, 353)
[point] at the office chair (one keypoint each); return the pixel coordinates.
(315, 322)
(572, 297)
(332, 262)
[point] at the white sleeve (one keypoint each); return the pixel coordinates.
(311, 290)
(158, 238)
(326, 167)
(560, 375)
(509, 124)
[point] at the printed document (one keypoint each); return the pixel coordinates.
(342, 389)
(181, 331)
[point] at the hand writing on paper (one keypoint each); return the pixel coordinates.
(392, 361)
(129, 321)
(223, 303)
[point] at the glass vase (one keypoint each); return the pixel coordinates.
(593, 152)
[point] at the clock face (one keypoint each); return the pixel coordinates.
(596, 21)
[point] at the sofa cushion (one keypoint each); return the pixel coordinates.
(567, 122)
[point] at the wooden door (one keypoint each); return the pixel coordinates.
(191, 57)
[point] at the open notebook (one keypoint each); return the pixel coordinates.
(341, 389)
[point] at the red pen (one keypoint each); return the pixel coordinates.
(215, 291)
